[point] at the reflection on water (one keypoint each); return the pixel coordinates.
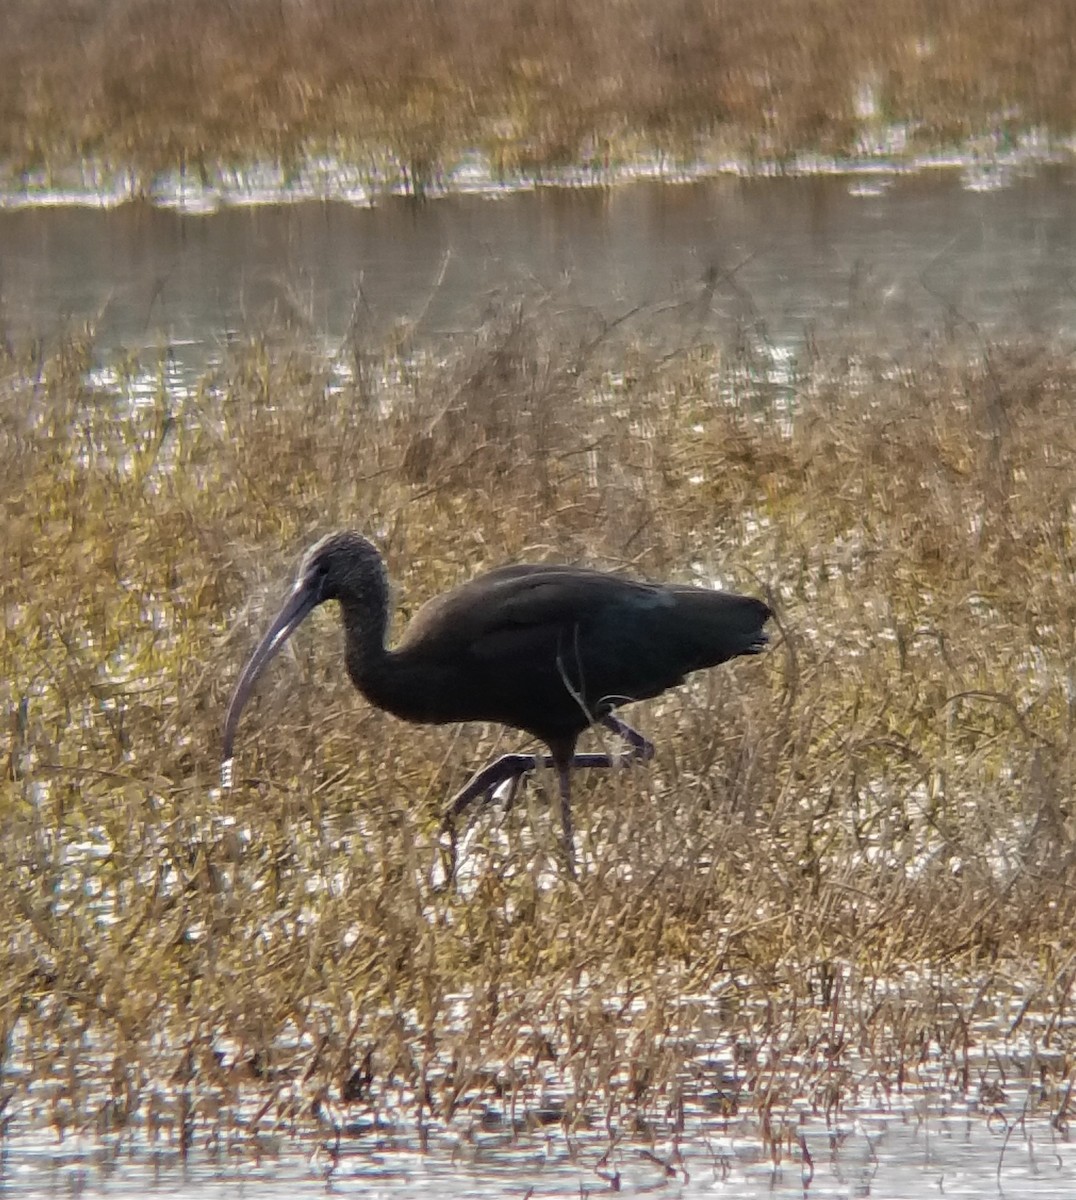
(905, 1150)
(785, 257)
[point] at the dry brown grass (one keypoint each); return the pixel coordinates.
(152, 84)
(844, 859)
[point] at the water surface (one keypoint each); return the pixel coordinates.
(883, 1154)
(783, 259)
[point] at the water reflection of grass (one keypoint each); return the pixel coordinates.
(539, 84)
(848, 861)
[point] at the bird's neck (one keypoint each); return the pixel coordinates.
(385, 677)
(365, 629)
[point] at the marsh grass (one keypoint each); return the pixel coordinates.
(849, 861)
(406, 87)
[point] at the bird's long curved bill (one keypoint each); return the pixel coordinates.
(290, 617)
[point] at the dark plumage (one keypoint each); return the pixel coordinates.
(547, 649)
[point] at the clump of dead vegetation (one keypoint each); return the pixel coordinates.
(845, 858)
(407, 87)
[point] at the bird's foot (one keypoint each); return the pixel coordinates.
(641, 747)
(483, 785)
(449, 855)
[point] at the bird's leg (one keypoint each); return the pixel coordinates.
(564, 758)
(641, 747)
(511, 768)
(564, 779)
(482, 784)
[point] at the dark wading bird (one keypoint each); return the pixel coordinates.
(546, 649)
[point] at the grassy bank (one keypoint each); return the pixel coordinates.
(846, 858)
(148, 85)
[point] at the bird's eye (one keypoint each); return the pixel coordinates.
(317, 573)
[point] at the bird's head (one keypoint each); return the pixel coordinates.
(342, 566)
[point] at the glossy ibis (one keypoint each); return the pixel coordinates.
(547, 649)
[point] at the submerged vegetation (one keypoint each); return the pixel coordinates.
(848, 859)
(145, 86)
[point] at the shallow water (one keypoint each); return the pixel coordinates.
(892, 1153)
(783, 259)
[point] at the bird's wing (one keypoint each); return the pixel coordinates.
(519, 605)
